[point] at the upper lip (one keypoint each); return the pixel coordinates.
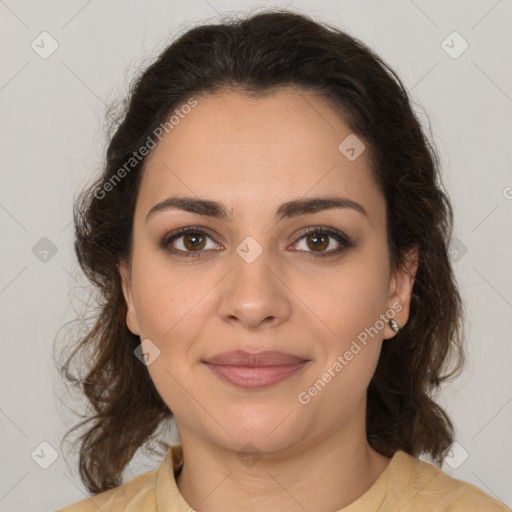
(257, 359)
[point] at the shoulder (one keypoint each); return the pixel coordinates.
(135, 495)
(426, 487)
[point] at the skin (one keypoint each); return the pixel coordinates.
(253, 155)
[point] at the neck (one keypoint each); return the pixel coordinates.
(324, 476)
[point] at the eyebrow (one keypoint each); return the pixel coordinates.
(289, 209)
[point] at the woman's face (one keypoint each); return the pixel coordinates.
(251, 276)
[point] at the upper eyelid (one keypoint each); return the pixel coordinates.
(180, 232)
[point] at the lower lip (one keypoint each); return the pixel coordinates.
(255, 377)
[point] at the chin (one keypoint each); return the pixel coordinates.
(270, 431)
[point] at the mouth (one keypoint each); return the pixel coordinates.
(254, 370)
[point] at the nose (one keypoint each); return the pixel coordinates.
(253, 296)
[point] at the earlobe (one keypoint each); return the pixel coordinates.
(402, 284)
(131, 314)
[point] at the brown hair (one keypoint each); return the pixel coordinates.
(257, 55)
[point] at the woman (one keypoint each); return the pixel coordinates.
(269, 238)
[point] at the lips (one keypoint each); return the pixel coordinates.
(254, 370)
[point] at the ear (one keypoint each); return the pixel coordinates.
(400, 288)
(126, 283)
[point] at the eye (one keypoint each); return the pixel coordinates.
(188, 240)
(322, 242)
(315, 242)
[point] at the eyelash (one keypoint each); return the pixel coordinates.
(340, 237)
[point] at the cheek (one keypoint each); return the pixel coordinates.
(166, 296)
(172, 313)
(352, 302)
(174, 309)
(350, 298)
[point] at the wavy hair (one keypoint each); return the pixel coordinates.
(257, 55)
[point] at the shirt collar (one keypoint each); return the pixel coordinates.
(168, 496)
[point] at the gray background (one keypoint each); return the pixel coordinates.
(53, 140)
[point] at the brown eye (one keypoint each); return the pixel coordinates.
(317, 241)
(189, 242)
(320, 242)
(194, 241)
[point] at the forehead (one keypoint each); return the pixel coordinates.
(240, 150)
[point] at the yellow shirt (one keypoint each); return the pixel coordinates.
(406, 485)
